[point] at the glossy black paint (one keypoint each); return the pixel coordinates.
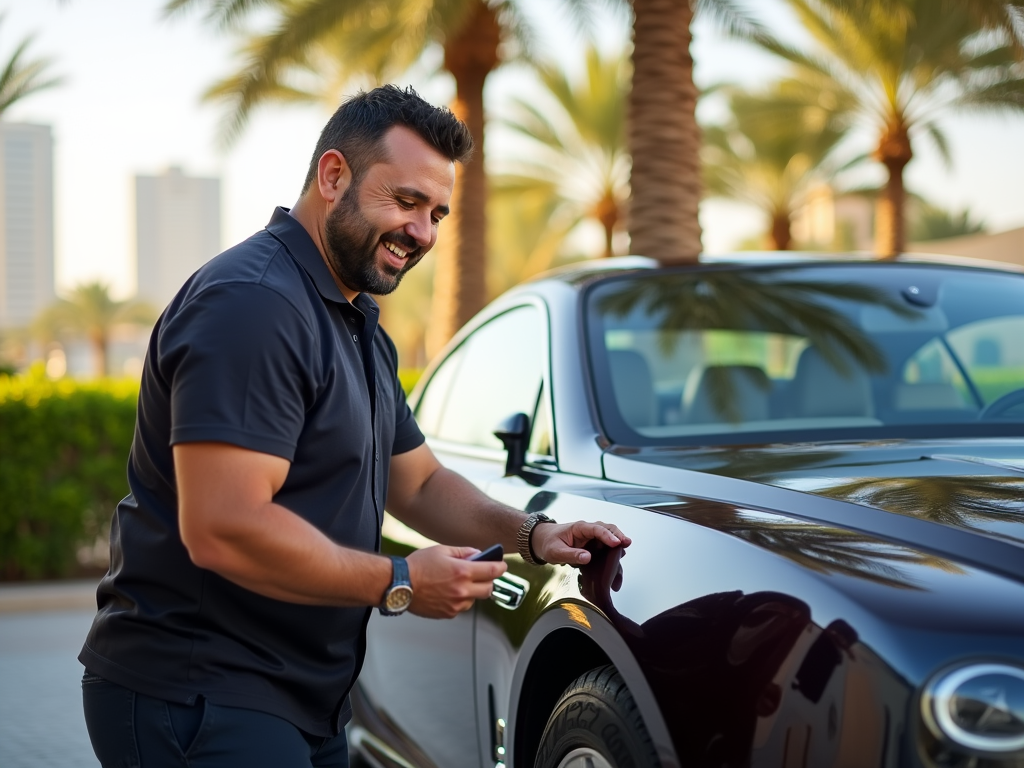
(781, 604)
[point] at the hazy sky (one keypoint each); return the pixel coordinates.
(131, 104)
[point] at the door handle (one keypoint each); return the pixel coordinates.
(509, 591)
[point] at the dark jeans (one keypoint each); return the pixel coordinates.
(131, 730)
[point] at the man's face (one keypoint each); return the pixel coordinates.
(381, 227)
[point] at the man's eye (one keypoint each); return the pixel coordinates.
(406, 203)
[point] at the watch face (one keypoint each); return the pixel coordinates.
(398, 598)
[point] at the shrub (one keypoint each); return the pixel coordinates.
(408, 378)
(65, 449)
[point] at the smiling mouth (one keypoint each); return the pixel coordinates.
(396, 250)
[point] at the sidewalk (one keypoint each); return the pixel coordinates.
(48, 596)
(42, 627)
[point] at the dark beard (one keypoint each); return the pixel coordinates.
(352, 248)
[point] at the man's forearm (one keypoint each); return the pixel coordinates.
(276, 553)
(476, 520)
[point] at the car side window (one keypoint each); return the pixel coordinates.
(494, 373)
(430, 409)
(540, 431)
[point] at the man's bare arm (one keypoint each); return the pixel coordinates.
(231, 525)
(446, 507)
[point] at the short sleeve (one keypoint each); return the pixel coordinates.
(241, 364)
(407, 431)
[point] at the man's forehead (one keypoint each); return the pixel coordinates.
(410, 157)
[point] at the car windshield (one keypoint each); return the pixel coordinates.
(730, 355)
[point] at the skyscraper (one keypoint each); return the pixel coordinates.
(26, 222)
(177, 220)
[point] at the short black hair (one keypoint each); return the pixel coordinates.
(358, 126)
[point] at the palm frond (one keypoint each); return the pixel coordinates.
(941, 142)
(225, 14)
(1005, 95)
(735, 20)
(20, 78)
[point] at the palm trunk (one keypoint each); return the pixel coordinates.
(99, 343)
(663, 135)
(460, 276)
(894, 152)
(607, 212)
(781, 234)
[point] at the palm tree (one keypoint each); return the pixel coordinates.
(772, 152)
(20, 77)
(664, 138)
(382, 38)
(930, 222)
(89, 310)
(574, 144)
(899, 65)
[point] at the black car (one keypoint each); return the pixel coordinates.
(820, 462)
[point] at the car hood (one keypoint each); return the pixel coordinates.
(969, 485)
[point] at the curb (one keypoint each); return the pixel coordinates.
(48, 596)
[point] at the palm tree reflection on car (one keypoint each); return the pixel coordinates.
(765, 301)
(960, 502)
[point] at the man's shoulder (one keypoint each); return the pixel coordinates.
(255, 267)
(259, 260)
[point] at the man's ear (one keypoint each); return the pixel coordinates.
(333, 175)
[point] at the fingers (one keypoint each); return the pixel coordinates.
(565, 543)
(607, 534)
(444, 583)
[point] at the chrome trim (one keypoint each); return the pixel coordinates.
(509, 591)
(361, 739)
(496, 455)
(935, 708)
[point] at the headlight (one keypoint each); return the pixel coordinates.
(979, 707)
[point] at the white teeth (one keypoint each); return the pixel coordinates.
(396, 250)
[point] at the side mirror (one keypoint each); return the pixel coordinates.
(514, 433)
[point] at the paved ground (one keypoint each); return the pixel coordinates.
(41, 631)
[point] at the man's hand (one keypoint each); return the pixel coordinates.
(444, 583)
(564, 543)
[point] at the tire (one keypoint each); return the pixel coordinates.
(596, 724)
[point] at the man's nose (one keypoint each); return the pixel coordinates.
(421, 228)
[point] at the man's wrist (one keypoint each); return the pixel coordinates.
(398, 596)
(524, 537)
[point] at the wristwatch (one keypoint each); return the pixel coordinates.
(398, 596)
(524, 535)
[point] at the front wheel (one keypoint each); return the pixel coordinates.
(596, 724)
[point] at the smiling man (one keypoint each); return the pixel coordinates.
(271, 429)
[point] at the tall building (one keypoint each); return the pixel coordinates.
(177, 221)
(26, 222)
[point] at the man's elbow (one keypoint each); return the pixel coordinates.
(205, 549)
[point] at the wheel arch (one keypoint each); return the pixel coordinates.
(569, 639)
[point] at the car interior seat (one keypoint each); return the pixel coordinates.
(746, 387)
(633, 387)
(819, 389)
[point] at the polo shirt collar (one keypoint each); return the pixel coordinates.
(287, 229)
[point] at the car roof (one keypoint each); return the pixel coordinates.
(583, 271)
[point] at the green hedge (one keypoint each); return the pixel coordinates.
(63, 456)
(64, 448)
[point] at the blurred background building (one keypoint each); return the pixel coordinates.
(26, 222)
(177, 226)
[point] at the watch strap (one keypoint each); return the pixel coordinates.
(399, 578)
(525, 534)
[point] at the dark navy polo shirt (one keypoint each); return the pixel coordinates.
(259, 349)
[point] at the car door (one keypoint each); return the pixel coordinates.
(418, 672)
